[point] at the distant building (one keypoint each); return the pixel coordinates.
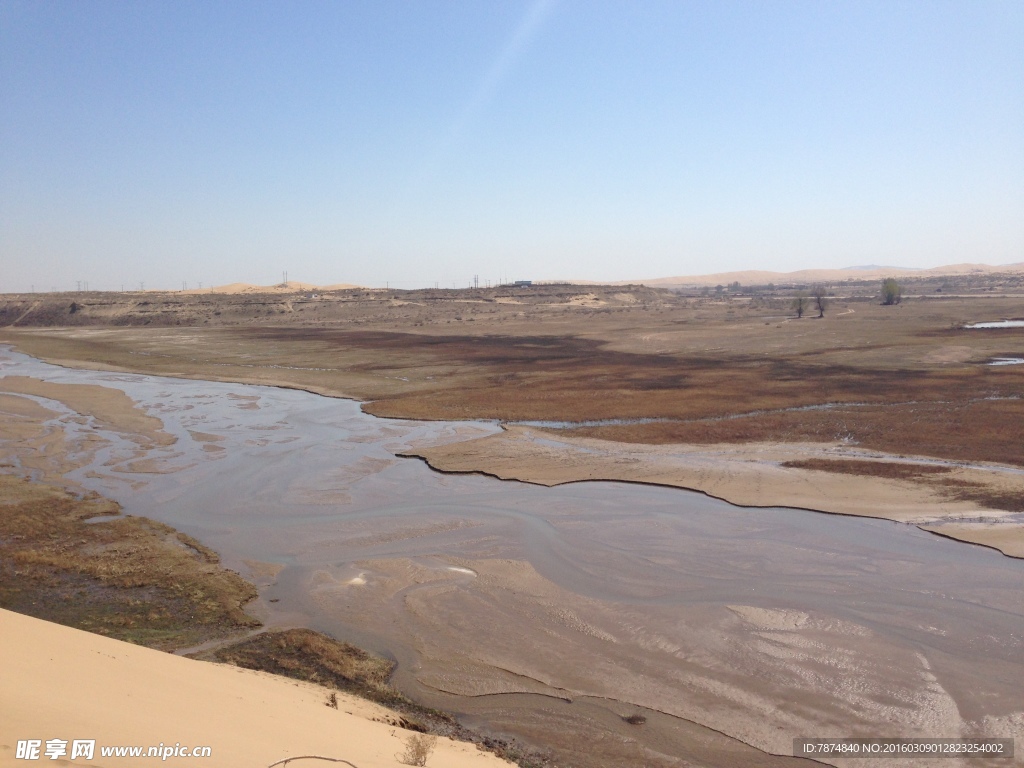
(522, 283)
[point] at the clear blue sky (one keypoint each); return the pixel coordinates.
(414, 142)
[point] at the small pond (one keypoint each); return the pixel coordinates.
(998, 324)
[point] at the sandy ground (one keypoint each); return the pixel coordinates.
(49, 444)
(111, 408)
(60, 683)
(747, 475)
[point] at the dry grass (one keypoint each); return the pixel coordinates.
(307, 655)
(888, 469)
(904, 379)
(933, 476)
(304, 654)
(418, 748)
(130, 578)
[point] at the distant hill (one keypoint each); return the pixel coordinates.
(882, 266)
(290, 287)
(807, 276)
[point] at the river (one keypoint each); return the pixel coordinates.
(549, 614)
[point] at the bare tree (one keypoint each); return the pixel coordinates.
(800, 304)
(820, 301)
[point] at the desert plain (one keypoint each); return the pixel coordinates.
(869, 411)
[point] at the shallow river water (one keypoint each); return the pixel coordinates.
(548, 614)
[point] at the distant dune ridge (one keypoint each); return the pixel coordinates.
(871, 272)
(292, 286)
(744, 277)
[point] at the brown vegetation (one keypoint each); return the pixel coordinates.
(733, 368)
(128, 577)
(928, 474)
(418, 748)
(307, 655)
(888, 469)
(304, 654)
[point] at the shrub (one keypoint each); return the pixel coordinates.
(892, 293)
(418, 748)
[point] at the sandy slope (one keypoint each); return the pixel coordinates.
(61, 683)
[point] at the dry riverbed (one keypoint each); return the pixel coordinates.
(688, 616)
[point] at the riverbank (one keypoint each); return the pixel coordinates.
(956, 470)
(723, 627)
(978, 503)
(69, 557)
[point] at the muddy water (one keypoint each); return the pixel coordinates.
(548, 614)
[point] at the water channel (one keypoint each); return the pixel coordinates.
(548, 614)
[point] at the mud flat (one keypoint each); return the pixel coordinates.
(827, 477)
(551, 614)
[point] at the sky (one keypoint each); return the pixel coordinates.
(409, 144)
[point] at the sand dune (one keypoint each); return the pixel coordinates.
(62, 683)
(744, 277)
(292, 286)
(763, 277)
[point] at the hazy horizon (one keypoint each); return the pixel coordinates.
(412, 144)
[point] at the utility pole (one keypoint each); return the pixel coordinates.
(79, 284)
(476, 281)
(142, 286)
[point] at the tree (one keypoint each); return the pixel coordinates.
(800, 305)
(892, 293)
(819, 299)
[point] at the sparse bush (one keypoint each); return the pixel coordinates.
(892, 293)
(635, 719)
(418, 747)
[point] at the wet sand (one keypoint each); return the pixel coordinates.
(549, 614)
(753, 475)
